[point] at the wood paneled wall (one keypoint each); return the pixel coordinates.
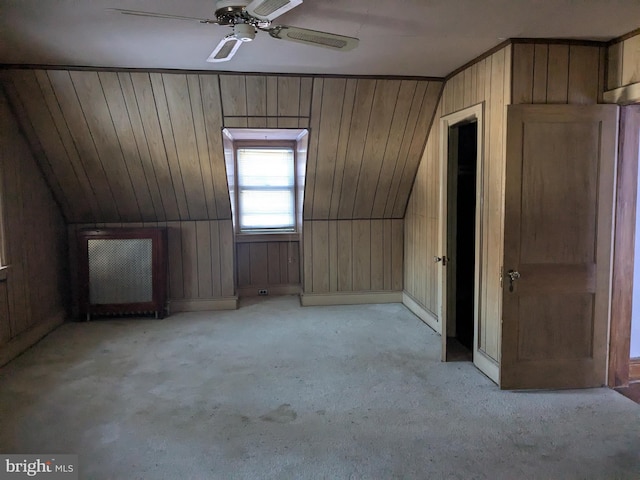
(557, 73)
(540, 72)
(201, 257)
(268, 264)
(488, 81)
(126, 147)
(624, 63)
(32, 297)
(371, 134)
(353, 255)
(142, 147)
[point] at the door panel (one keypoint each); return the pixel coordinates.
(560, 177)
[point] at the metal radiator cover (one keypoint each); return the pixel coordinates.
(120, 270)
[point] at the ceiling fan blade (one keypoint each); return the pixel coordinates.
(270, 9)
(314, 37)
(139, 13)
(226, 49)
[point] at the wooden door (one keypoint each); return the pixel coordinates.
(560, 181)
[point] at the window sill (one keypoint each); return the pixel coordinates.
(267, 237)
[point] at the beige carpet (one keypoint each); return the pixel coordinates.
(277, 391)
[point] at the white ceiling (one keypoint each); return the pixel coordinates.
(402, 37)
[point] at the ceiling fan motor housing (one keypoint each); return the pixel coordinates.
(244, 32)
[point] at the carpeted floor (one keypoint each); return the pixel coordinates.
(277, 391)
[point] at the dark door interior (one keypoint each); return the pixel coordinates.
(463, 170)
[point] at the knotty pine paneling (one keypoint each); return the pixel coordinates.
(353, 255)
(557, 73)
(33, 294)
(488, 81)
(367, 136)
(267, 264)
(623, 63)
(200, 257)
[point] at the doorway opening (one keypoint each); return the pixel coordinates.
(461, 239)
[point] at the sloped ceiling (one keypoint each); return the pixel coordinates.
(408, 37)
(143, 147)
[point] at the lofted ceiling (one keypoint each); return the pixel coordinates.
(407, 37)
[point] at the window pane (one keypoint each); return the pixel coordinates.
(266, 209)
(265, 167)
(266, 197)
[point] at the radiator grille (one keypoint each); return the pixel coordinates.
(120, 271)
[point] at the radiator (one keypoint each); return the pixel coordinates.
(122, 271)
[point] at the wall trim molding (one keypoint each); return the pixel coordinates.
(30, 337)
(421, 312)
(203, 304)
(623, 95)
(349, 298)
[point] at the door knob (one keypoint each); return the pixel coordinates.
(437, 259)
(513, 276)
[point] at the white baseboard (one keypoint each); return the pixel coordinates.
(203, 304)
(422, 313)
(26, 339)
(487, 365)
(349, 298)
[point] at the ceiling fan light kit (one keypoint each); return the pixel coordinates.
(246, 18)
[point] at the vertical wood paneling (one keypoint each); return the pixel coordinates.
(383, 105)
(320, 257)
(377, 255)
(169, 141)
(212, 111)
(361, 116)
(74, 118)
(319, 199)
(204, 253)
(354, 255)
(394, 141)
(234, 100)
(124, 132)
(345, 257)
(558, 74)
(361, 251)
(34, 238)
(144, 101)
(100, 128)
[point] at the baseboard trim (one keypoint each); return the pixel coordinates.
(349, 298)
(252, 291)
(30, 337)
(634, 370)
(487, 365)
(203, 304)
(422, 313)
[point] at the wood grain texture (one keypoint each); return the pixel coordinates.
(557, 73)
(624, 247)
(623, 65)
(34, 238)
(353, 255)
(135, 146)
(488, 81)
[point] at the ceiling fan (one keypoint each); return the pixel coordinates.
(248, 17)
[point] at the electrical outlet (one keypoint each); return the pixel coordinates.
(263, 292)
